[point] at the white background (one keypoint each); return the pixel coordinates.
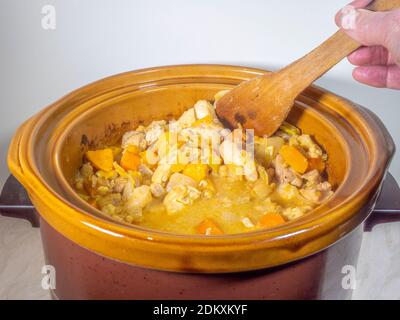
(97, 38)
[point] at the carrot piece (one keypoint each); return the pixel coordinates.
(116, 151)
(208, 227)
(197, 172)
(101, 159)
(130, 160)
(316, 163)
(294, 158)
(270, 220)
(133, 149)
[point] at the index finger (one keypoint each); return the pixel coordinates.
(374, 55)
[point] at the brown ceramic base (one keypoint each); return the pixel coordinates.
(81, 274)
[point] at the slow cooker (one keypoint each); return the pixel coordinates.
(96, 257)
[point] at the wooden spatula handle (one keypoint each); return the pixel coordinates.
(383, 5)
(320, 60)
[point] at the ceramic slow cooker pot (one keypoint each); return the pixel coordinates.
(96, 257)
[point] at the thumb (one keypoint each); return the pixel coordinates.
(372, 28)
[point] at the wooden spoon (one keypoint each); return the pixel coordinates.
(263, 103)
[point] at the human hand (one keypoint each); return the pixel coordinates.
(378, 61)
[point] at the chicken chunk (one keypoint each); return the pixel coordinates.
(250, 169)
(178, 179)
(200, 137)
(140, 197)
(134, 138)
(145, 170)
(187, 154)
(154, 131)
(157, 190)
(313, 150)
(187, 118)
(312, 176)
(135, 213)
(207, 187)
(232, 153)
(119, 184)
(311, 194)
(179, 197)
(128, 189)
(317, 192)
(286, 174)
(162, 173)
(203, 109)
(326, 189)
(293, 213)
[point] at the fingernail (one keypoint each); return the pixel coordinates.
(348, 17)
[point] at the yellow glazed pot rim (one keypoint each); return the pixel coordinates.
(228, 253)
